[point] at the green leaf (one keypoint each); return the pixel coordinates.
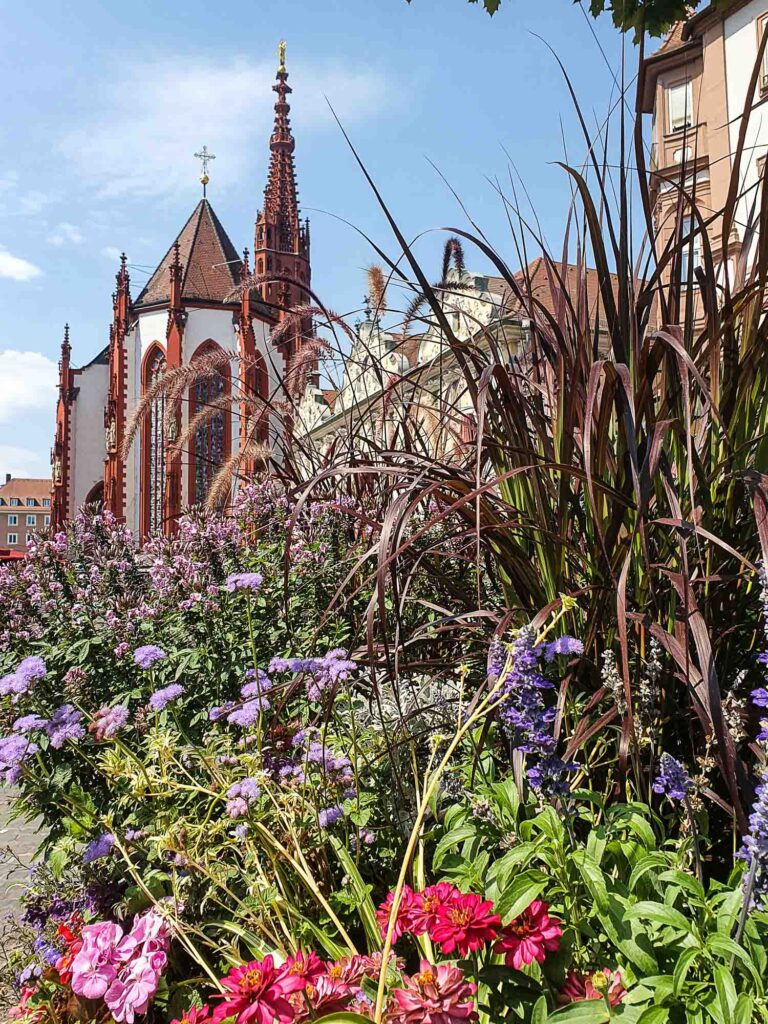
(452, 840)
(539, 1012)
(653, 1015)
(343, 1017)
(725, 947)
(520, 893)
(362, 892)
(726, 993)
(589, 1011)
(649, 862)
(745, 1004)
(659, 913)
(683, 965)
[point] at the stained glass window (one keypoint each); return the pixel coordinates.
(156, 454)
(210, 439)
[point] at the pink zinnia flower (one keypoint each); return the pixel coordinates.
(306, 966)
(258, 991)
(530, 936)
(465, 923)
(424, 913)
(194, 1015)
(579, 987)
(403, 920)
(322, 997)
(436, 995)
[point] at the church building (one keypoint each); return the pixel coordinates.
(191, 306)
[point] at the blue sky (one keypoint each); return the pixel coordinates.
(107, 103)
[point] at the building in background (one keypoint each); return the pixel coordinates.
(190, 308)
(25, 509)
(696, 86)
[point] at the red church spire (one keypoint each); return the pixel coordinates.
(115, 410)
(60, 453)
(282, 241)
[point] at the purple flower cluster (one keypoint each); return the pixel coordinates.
(29, 723)
(251, 581)
(321, 673)
(162, 698)
(755, 848)
(525, 715)
(145, 657)
(65, 724)
(108, 722)
(328, 816)
(673, 779)
(14, 751)
(241, 795)
(99, 847)
(254, 701)
(760, 695)
(23, 678)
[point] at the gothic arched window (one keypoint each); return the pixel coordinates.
(211, 441)
(154, 447)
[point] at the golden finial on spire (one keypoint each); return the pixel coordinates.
(281, 57)
(205, 157)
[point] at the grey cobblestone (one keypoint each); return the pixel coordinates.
(18, 842)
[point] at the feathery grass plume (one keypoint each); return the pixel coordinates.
(221, 403)
(304, 362)
(222, 483)
(205, 366)
(377, 288)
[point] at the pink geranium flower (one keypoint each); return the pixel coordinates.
(436, 995)
(424, 912)
(530, 936)
(580, 987)
(403, 921)
(465, 923)
(95, 966)
(258, 991)
(132, 991)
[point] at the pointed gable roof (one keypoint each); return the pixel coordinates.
(210, 261)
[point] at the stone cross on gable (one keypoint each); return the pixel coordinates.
(205, 157)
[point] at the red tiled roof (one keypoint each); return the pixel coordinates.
(330, 395)
(210, 261)
(19, 487)
(673, 38)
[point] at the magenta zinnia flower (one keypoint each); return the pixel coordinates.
(465, 923)
(436, 995)
(258, 992)
(424, 912)
(529, 937)
(403, 920)
(194, 1015)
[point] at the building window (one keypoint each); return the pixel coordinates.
(210, 437)
(46, 502)
(29, 537)
(46, 520)
(154, 457)
(31, 502)
(15, 502)
(31, 520)
(691, 248)
(680, 106)
(13, 538)
(13, 520)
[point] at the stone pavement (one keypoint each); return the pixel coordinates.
(18, 842)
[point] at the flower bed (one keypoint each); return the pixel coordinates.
(252, 817)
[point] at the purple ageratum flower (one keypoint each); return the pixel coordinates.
(29, 723)
(23, 678)
(256, 683)
(108, 722)
(328, 816)
(760, 697)
(673, 779)
(98, 848)
(755, 848)
(64, 725)
(145, 657)
(219, 712)
(321, 672)
(237, 807)
(241, 831)
(161, 698)
(249, 714)
(14, 751)
(244, 581)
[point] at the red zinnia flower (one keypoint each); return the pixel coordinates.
(403, 920)
(424, 912)
(436, 995)
(258, 992)
(530, 936)
(306, 966)
(579, 987)
(465, 923)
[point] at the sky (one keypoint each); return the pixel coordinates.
(106, 104)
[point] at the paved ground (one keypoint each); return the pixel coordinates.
(18, 842)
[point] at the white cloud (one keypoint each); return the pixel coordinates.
(159, 112)
(111, 252)
(23, 462)
(28, 383)
(16, 268)
(64, 233)
(16, 202)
